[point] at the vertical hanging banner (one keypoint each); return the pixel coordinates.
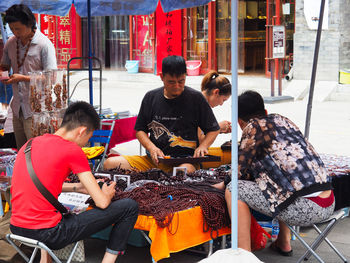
(143, 41)
(65, 33)
(48, 27)
(169, 32)
(68, 39)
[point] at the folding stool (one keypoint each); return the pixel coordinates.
(333, 220)
(36, 245)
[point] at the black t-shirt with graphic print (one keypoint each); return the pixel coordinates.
(173, 123)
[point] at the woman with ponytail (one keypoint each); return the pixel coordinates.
(216, 89)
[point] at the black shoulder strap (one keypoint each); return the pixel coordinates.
(42, 189)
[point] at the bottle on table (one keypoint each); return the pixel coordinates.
(275, 229)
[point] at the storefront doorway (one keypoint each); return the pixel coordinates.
(251, 36)
(280, 13)
(196, 35)
(110, 40)
(117, 41)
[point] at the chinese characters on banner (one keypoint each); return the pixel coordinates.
(65, 34)
(143, 40)
(168, 35)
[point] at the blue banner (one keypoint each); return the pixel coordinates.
(49, 7)
(101, 7)
(170, 5)
(116, 7)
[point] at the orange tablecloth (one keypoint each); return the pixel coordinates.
(185, 231)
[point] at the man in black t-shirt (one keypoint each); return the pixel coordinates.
(171, 116)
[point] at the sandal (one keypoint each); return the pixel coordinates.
(274, 247)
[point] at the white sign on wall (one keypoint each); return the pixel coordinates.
(278, 42)
(312, 13)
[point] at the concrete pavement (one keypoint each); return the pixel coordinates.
(330, 120)
(329, 131)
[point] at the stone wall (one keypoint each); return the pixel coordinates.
(304, 44)
(344, 51)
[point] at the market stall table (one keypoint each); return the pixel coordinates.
(185, 231)
(123, 131)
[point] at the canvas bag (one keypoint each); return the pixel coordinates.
(79, 255)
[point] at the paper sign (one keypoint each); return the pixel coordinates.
(278, 42)
(74, 202)
(4, 75)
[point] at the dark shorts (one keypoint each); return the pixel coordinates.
(122, 214)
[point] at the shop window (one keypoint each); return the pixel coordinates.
(197, 35)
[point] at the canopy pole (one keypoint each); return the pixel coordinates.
(314, 69)
(234, 120)
(90, 53)
(3, 32)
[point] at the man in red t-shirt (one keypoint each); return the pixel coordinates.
(54, 157)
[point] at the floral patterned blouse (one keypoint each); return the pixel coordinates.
(275, 154)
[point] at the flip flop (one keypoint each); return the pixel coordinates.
(274, 247)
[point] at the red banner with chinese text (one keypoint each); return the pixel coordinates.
(65, 34)
(169, 32)
(144, 45)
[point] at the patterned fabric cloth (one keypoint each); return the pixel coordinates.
(275, 154)
(302, 212)
(336, 165)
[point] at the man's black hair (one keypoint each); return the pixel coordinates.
(79, 114)
(20, 13)
(174, 66)
(250, 105)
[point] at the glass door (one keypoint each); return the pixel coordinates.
(223, 35)
(196, 42)
(117, 41)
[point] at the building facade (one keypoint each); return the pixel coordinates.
(203, 34)
(334, 52)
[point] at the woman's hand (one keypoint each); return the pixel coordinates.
(225, 127)
(15, 78)
(201, 151)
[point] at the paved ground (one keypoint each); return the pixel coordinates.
(330, 128)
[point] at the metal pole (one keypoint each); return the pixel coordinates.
(90, 53)
(272, 70)
(280, 63)
(234, 155)
(3, 32)
(314, 69)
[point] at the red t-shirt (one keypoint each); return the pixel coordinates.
(53, 159)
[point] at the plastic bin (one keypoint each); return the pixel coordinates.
(344, 76)
(132, 66)
(193, 67)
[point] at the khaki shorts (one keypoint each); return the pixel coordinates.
(144, 163)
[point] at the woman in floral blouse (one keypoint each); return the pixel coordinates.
(280, 173)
